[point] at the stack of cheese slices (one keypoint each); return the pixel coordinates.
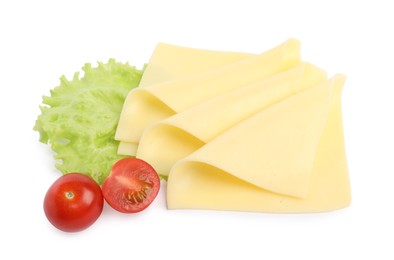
(236, 131)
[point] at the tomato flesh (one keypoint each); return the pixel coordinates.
(73, 202)
(131, 186)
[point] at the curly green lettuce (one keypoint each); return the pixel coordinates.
(79, 118)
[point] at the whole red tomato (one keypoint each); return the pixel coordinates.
(73, 202)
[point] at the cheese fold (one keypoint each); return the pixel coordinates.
(146, 105)
(185, 132)
(288, 158)
(169, 62)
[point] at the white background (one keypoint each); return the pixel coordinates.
(42, 40)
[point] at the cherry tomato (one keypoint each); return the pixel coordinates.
(73, 202)
(131, 186)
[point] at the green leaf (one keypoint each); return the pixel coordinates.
(79, 119)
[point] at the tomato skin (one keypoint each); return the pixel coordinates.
(73, 202)
(131, 186)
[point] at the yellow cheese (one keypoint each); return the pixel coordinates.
(127, 148)
(275, 148)
(169, 62)
(217, 175)
(147, 105)
(187, 131)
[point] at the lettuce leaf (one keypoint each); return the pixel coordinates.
(79, 118)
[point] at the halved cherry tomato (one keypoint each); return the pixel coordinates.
(131, 186)
(73, 202)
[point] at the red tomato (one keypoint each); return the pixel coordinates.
(131, 186)
(73, 202)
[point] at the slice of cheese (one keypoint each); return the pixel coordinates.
(187, 131)
(170, 62)
(277, 146)
(218, 177)
(147, 105)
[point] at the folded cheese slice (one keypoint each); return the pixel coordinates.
(144, 106)
(169, 62)
(289, 158)
(183, 133)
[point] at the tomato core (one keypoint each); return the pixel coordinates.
(69, 195)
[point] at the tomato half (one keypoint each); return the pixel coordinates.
(73, 202)
(131, 186)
